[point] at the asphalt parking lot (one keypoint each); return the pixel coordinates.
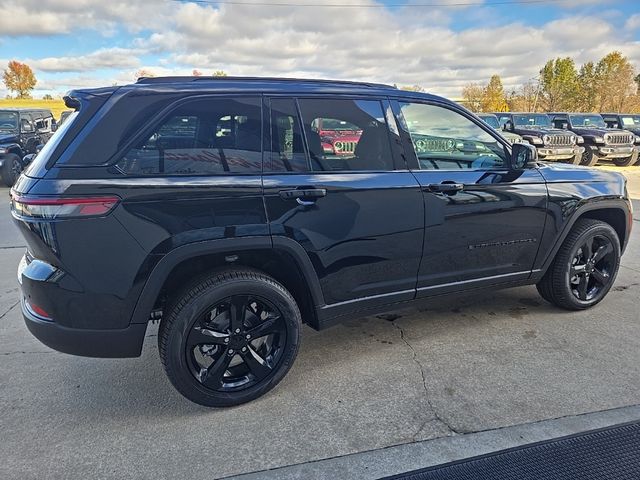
(463, 365)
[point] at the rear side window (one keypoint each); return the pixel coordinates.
(201, 137)
(347, 135)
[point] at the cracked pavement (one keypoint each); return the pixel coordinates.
(463, 364)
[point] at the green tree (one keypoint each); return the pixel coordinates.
(494, 99)
(18, 77)
(559, 84)
(219, 73)
(615, 82)
(587, 98)
(47, 97)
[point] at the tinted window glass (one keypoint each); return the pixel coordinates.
(445, 140)
(346, 134)
(287, 145)
(209, 136)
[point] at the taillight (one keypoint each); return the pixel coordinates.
(60, 208)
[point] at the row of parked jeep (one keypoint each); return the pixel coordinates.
(577, 138)
(23, 131)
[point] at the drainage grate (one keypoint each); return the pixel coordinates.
(608, 453)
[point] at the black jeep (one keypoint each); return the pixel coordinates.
(600, 142)
(211, 205)
(21, 131)
(625, 121)
(551, 143)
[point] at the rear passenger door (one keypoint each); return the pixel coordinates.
(483, 220)
(336, 183)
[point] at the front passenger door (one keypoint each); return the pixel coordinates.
(483, 220)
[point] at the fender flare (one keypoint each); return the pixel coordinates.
(168, 262)
(14, 148)
(607, 203)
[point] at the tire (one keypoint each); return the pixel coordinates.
(203, 355)
(11, 169)
(627, 161)
(589, 158)
(580, 276)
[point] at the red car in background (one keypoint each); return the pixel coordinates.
(338, 137)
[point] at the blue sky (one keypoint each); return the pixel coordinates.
(81, 43)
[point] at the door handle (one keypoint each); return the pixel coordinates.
(304, 196)
(445, 187)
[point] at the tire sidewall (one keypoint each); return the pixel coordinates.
(7, 175)
(186, 314)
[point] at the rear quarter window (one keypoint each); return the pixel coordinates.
(200, 137)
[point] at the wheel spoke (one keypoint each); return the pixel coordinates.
(212, 375)
(582, 287)
(238, 311)
(199, 336)
(267, 327)
(601, 277)
(601, 252)
(256, 363)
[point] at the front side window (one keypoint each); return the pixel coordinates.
(346, 134)
(200, 137)
(595, 121)
(491, 120)
(631, 121)
(531, 120)
(446, 140)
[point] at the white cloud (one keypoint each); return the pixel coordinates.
(633, 23)
(404, 46)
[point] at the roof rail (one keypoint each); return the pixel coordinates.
(177, 79)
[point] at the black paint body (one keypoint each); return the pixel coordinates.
(376, 240)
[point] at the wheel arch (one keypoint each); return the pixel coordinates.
(612, 212)
(280, 257)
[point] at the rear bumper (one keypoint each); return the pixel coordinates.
(122, 343)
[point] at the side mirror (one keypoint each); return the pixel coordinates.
(54, 126)
(523, 154)
(26, 126)
(508, 126)
(27, 159)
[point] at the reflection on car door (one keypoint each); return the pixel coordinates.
(483, 220)
(343, 195)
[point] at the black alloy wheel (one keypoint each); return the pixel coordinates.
(236, 343)
(585, 267)
(590, 271)
(229, 337)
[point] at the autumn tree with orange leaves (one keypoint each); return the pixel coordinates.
(19, 78)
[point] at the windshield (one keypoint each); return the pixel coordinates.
(538, 120)
(587, 121)
(631, 121)
(490, 120)
(8, 121)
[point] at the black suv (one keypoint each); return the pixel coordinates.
(212, 206)
(22, 130)
(551, 143)
(624, 121)
(601, 143)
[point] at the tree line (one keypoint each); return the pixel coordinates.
(611, 84)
